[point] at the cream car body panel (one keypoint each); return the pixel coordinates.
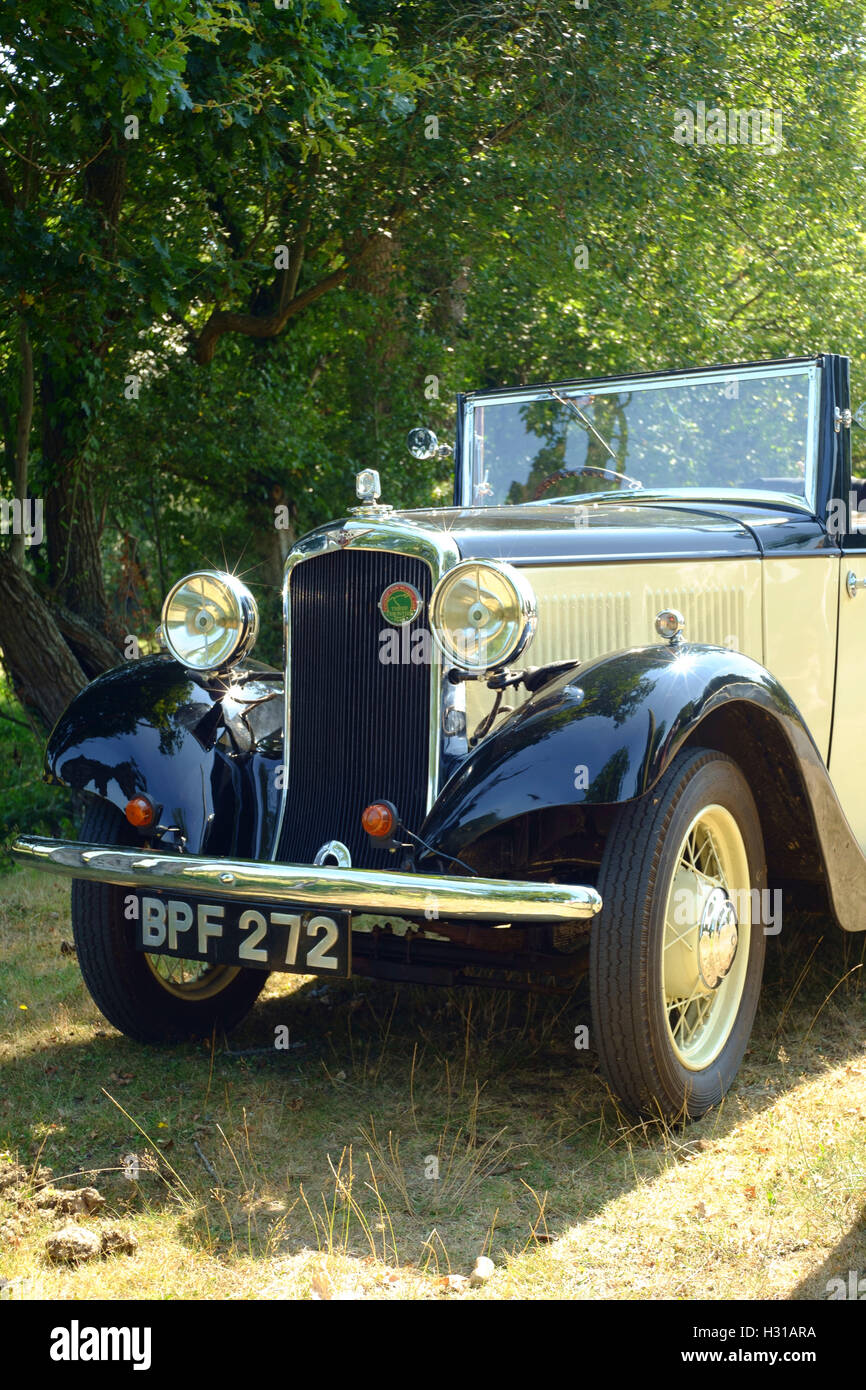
(801, 601)
(848, 752)
(588, 610)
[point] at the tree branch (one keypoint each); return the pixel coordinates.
(10, 719)
(290, 303)
(268, 326)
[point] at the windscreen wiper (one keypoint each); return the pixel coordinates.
(566, 400)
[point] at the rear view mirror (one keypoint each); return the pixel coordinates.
(423, 444)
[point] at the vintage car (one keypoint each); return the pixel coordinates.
(599, 717)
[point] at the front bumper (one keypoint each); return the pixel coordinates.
(496, 901)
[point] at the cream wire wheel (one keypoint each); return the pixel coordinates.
(190, 979)
(151, 998)
(705, 949)
(677, 951)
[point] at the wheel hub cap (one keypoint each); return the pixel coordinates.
(718, 937)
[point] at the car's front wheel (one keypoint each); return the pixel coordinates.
(153, 999)
(677, 952)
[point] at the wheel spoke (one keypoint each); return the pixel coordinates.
(709, 854)
(694, 1013)
(179, 971)
(710, 859)
(675, 940)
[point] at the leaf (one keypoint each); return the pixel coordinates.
(133, 87)
(158, 105)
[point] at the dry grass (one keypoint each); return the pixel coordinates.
(313, 1171)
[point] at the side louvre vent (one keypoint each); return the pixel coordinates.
(581, 625)
(714, 616)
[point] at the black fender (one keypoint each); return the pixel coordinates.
(206, 758)
(604, 733)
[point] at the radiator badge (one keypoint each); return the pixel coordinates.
(399, 604)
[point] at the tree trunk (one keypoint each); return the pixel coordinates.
(43, 670)
(52, 643)
(22, 439)
(71, 528)
(90, 648)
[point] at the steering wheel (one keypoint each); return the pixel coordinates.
(607, 473)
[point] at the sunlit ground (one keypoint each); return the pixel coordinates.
(271, 1173)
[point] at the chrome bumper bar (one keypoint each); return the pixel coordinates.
(494, 900)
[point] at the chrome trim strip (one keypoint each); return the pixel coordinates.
(571, 562)
(494, 900)
(365, 532)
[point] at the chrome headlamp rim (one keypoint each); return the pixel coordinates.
(248, 621)
(527, 607)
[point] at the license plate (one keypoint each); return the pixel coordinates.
(264, 936)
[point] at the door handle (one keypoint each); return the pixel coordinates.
(852, 584)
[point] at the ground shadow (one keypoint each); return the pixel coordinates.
(487, 1087)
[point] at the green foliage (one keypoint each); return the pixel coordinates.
(28, 806)
(460, 197)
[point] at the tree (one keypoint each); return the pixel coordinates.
(239, 239)
(63, 186)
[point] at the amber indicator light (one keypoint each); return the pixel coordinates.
(140, 811)
(378, 820)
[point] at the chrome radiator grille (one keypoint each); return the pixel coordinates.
(358, 727)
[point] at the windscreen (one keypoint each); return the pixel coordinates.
(747, 432)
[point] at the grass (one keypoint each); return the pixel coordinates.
(312, 1170)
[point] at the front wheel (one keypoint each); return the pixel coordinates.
(677, 951)
(153, 999)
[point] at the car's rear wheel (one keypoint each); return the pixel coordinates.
(153, 999)
(677, 952)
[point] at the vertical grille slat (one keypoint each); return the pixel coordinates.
(358, 727)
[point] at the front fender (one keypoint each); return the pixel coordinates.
(606, 732)
(153, 727)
